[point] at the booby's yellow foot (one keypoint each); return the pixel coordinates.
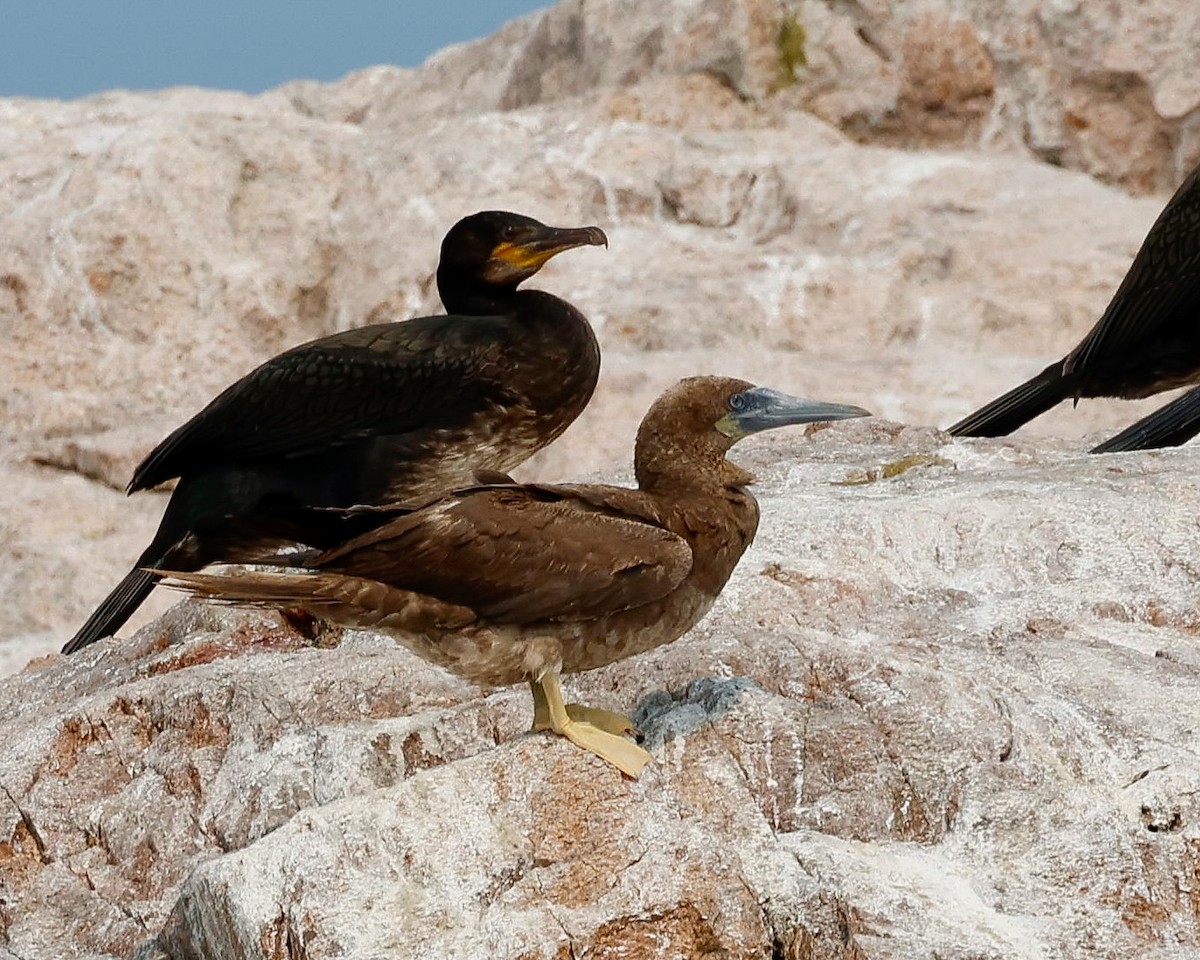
(627, 757)
(614, 723)
(597, 731)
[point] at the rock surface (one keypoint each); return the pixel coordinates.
(948, 713)
(1103, 87)
(165, 244)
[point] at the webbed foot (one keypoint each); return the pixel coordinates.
(599, 731)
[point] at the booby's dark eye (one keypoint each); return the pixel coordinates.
(737, 402)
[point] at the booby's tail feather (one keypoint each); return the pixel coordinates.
(263, 588)
(349, 601)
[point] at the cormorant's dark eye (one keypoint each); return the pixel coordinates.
(508, 231)
(737, 402)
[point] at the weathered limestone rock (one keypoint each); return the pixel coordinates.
(945, 713)
(947, 706)
(1106, 88)
(190, 239)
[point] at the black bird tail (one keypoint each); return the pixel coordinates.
(1020, 405)
(233, 515)
(117, 607)
(173, 546)
(1168, 426)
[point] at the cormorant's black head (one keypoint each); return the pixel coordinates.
(486, 255)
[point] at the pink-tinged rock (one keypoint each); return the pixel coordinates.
(757, 244)
(944, 708)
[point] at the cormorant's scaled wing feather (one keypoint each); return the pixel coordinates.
(385, 379)
(1164, 280)
(525, 554)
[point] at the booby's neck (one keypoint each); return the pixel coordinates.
(703, 494)
(719, 525)
(665, 462)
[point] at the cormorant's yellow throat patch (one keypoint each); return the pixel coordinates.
(528, 257)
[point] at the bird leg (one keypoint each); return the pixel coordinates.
(550, 713)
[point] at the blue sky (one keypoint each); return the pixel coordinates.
(70, 48)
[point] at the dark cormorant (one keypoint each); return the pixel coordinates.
(390, 412)
(506, 583)
(1147, 341)
(1168, 426)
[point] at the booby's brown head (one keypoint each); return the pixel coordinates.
(688, 430)
(486, 255)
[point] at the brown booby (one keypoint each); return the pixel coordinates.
(1147, 341)
(384, 413)
(506, 583)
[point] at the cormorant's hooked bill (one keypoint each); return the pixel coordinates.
(525, 248)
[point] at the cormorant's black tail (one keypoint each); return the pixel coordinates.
(231, 515)
(1168, 426)
(171, 548)
(1020, 405)
(117, 607)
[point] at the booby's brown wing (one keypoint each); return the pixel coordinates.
(525, 554)
(1161, 288)
(386, 379)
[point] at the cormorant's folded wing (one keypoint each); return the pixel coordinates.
(1163, 281)
(385, 379)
